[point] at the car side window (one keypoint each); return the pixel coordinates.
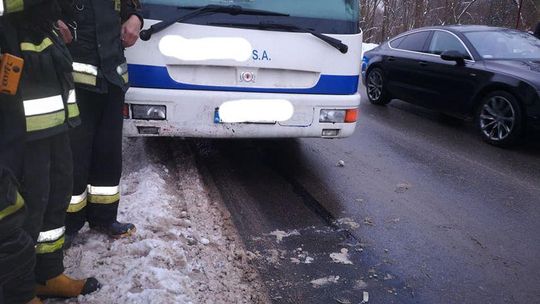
(395, 43)
(443, 41)
(414, 42)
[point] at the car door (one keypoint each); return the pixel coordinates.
(401, 65)
(450, 84)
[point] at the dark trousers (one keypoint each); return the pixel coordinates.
(20, 289)
(47, 186)
(97, 159)
(17, 254)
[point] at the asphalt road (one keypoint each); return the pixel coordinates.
(427, 212)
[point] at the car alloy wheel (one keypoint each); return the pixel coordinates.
(497, 118)
(375, 85)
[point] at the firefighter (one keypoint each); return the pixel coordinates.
(101, 29)
(17, 249)
(17, 255)
(50, 110)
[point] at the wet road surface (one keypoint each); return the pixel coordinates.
(426, 212)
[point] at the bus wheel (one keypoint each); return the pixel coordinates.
(376, 91)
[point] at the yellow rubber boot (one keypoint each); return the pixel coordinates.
(63, 286)
(35, 300)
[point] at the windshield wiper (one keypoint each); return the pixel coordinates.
(204, 10)
(336, 43)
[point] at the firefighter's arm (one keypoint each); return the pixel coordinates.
(66, 10)
(130, 8)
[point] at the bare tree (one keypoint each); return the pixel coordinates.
(382, 19)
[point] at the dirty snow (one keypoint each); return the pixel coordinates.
(185, 250)
(274, 256)
(324, 281)
(302, 257)
(348, 223)
(360, 284)
(341, 257)
(368, 47)
(280, 235)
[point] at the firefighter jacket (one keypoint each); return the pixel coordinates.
(47, 86)
(12, 121)
(14, 6)
(12, 133)
(17, 253)
(97, 49)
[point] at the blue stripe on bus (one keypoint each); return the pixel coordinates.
(147, 76)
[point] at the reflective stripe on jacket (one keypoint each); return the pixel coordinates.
(47, 86)
(14, 6)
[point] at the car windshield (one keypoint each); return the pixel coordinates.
(328, 16)
(505, 44)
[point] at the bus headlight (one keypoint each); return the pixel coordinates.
(332, 116)
(149, 112)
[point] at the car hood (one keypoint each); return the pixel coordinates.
(528, 70)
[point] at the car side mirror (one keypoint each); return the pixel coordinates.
(453, 56)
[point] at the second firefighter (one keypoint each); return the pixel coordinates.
(101, 30)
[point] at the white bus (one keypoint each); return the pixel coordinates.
(245, 69)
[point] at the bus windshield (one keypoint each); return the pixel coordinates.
(329, 16)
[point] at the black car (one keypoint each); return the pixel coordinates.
(486, 73)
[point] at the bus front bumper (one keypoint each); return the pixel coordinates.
(193, 114)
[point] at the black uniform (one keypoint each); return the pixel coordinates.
(17, 251)
(17, 256)
(50, 108)
(101, 79)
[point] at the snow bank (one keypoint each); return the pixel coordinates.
(184, 250)
(368, 47)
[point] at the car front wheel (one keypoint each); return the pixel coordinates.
(499, 119)
(375, 87)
